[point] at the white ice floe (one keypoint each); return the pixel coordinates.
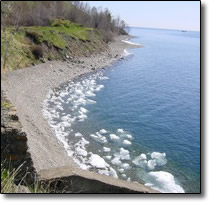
(163, 182)
(126, 53)
(114, 137)
(78, 135)
(120, 130)
(82, 143)
(83, 110)
(124, 154)
(90, 94)
(99, 87)
(127, 142)
(96, 161)
(99, 138)
(90, 101)
(157, 159)
(124, 175)
(113, 173)
(125, 166)
(121, 170)
(106, 149)
(80, 151)
(151, 164)
(141, 161)
(129, 136)
(104, 78)
(116, 161)
(103, 131)
(108, 157)
(129, 42)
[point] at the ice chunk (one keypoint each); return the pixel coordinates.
(141, 161)
(129, 136)
(81, 151)
(120, 130)
(90, 101)
(83, 110)
(103, 131)
(82, 143)
(126, 53)
(106, 149)
(151, 164)
(82, 116)
(99, 87)
(127, 142)
(125, 166)
(113, 173)
(124, 154)
(121, 170)
(163, 182)
(159, 157)
(129, 42)
(104, 78)
(98, 162)
(108, 157)
(116, 161)
(90, 94)
(114, 137)
(99, 138)
(78, 135)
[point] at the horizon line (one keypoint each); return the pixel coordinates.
(174, 29)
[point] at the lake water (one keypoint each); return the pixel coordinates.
(138, 120)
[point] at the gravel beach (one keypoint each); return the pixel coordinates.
(27, 88)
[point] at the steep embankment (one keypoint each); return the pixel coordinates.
(27, 46)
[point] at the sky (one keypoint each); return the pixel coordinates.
(181, 15)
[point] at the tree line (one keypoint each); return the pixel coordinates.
(41, 13)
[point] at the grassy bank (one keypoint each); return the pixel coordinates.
(61, 40)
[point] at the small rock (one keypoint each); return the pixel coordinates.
(14, 125)
(2, 130)
(13, 115)
(67, 56)
(93, 68)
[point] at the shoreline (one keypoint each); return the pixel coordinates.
(27, 89)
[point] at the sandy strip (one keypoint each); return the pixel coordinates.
(27, 88)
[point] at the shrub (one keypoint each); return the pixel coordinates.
(107, 36)
(34, 36)
(37, 51)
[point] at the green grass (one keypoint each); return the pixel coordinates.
(5, 104)
(8, 185)
(57, 33)
(56, 40)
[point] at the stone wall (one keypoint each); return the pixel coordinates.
(70, 180)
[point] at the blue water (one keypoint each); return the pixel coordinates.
(154, 94)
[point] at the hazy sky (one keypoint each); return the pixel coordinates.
(183, 15)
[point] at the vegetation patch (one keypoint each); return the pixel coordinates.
(5, 104)
(30, 45)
